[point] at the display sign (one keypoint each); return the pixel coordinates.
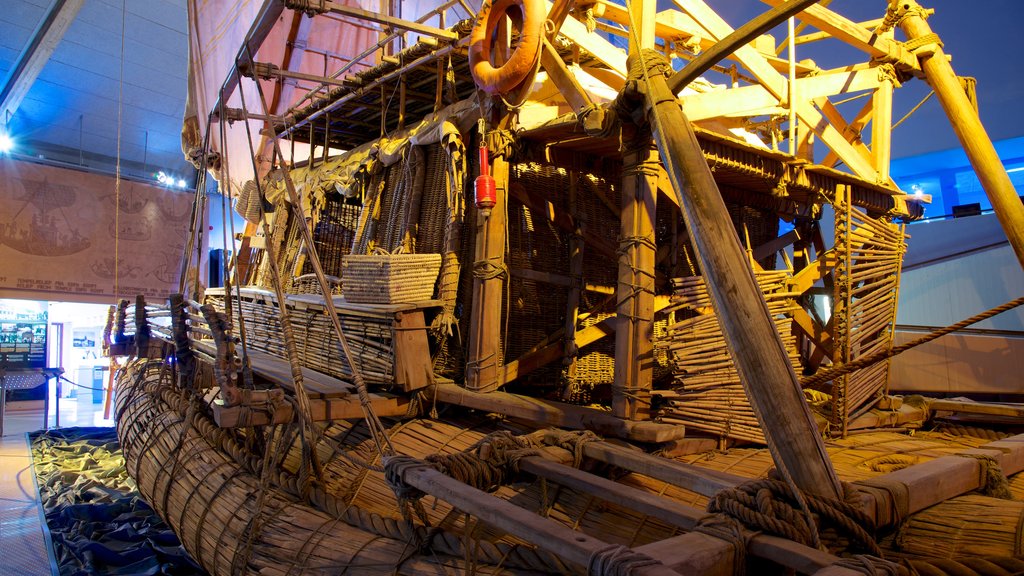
(78, 237)
(22, 334)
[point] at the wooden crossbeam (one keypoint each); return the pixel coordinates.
(391, 21)
(550, 413)
(856, 35)
(572, 546)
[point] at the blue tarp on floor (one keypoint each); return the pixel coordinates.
(98, 522)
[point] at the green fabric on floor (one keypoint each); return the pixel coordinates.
(98, 522)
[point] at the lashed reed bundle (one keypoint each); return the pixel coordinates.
(229, 520)
(212, 500)
(210, 497)
(971, 525)
(708, 395)
(370, 334)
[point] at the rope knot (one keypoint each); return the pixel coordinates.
(617, 560)
(993, 482)
(771, 506)
(395, 468)
(573, 441)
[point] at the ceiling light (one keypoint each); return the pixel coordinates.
(181, 183)
(6, 143)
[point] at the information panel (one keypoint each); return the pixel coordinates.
(22, 334)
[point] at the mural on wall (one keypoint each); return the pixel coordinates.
(66, 235)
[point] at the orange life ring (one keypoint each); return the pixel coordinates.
(523, 60)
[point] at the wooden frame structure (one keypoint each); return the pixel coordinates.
(688, 177)
(771, 90)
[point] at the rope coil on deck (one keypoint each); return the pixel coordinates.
(770, 506)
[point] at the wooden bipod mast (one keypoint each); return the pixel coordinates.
(771, 385)
(963, 116)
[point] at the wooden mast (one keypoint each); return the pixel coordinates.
(965, 121)
(635, 289)
(485, 352)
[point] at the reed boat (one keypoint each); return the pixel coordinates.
(514, 299)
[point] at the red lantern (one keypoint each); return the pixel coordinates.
(485, 188)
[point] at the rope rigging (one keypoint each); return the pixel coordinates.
(855, 365)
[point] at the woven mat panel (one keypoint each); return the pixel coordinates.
(434, 203)
(369, 216)
(593, 368)
(334, 233)
(760, 226)
(707, 393)
(536, 309)
(384, 234)
(370, 339)
(263, 276)
(597, 197)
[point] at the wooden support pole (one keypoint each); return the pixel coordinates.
(967, 125)
(881, 124)
(549, 413)
(488, 285)
(635, 290)
(754, 344)
(572, 546)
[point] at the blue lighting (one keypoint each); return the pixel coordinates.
(6, 143)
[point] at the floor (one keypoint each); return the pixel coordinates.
(22, 540)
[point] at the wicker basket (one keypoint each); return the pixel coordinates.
(389, 278)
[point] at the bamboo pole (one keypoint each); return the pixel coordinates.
(967, 125)
(761, 358)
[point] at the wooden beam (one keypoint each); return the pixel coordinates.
(563, 79)
(881, 126)
(574, 547)
(391, 21)
(693, 553)
(549, 413)
(321, 410)
(760, 357)
(986, 408)
(413, 367)
(601, 49)
(701, 480)
(856, 35)
(35, 55)
(776, 84)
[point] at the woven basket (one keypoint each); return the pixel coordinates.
(389, 278)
